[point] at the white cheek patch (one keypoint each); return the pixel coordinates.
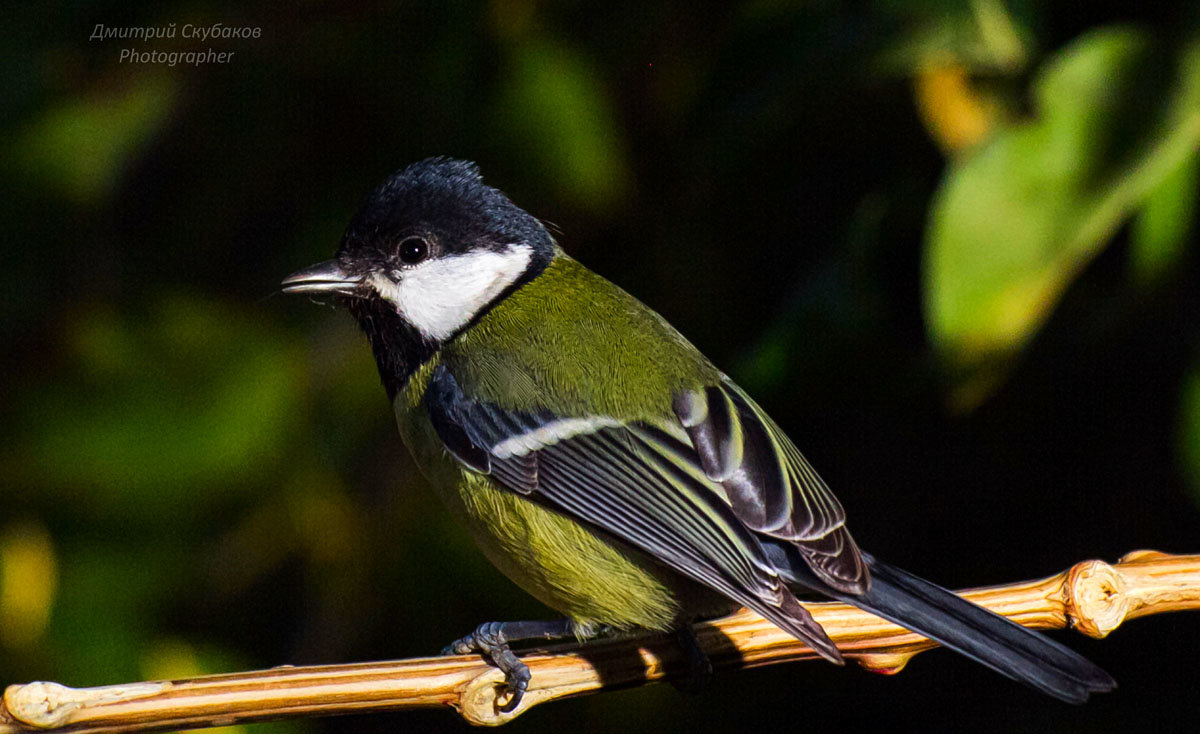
(439, 296)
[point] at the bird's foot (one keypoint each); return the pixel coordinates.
(491, 639)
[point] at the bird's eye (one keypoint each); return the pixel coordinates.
(413, 250)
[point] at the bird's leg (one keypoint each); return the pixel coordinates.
(699, 666)
(491, 639)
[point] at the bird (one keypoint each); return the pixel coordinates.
(597, 458)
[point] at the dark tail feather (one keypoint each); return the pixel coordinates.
(969, 629)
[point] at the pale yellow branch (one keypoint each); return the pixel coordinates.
(1092, 596)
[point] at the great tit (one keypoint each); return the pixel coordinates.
(598, 459)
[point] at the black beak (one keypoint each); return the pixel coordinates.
(326, 277)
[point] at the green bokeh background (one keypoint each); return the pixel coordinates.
(950, 246)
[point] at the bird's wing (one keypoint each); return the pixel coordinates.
(648, 486)
(769, 484)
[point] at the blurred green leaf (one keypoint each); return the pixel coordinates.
(193, 394)
(98, 625)
(1016, 220)
(981, 35)
(79, 148)
(556, 112)
(1162, 229)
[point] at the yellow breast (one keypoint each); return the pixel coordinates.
(583, 573)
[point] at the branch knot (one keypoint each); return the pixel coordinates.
(1098, 598)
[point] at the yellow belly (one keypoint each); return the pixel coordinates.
(585, 575)
(563, 564)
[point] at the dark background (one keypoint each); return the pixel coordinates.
(199, 476)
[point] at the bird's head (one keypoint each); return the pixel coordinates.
(429, 251)
(435, 244)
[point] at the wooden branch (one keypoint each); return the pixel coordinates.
(1093, 597)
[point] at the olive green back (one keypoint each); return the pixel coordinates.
(574, 343)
